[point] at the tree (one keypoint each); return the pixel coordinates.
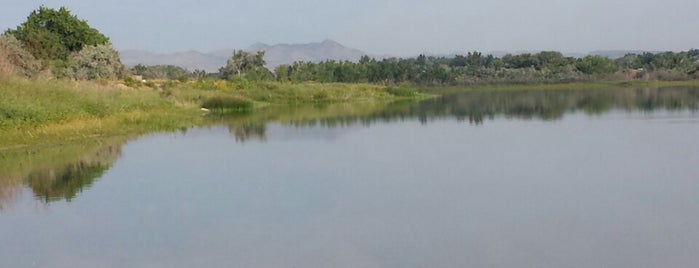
(51, 34)
(163, 72)
(551, 60)
(596, 65)
(242, 62)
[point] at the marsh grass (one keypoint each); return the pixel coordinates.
(49, 112)
(35, 112)
(402, 91)
(33, 103)
(228, 104)
(282, 93)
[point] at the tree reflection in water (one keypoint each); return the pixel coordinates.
(476, 107)
(61, 173)
(54, 174)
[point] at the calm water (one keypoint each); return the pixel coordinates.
(510, 179)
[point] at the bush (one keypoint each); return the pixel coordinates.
(133, 83)
(14, 59)
(401, 91)
(96, 62)
(228, 104)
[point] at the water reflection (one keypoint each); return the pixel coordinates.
(57, 173)
(61, 173)
(475, 107)
(591, 193)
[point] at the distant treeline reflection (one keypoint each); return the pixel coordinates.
(478, 106)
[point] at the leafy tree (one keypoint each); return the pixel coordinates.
(629, 61)
(520, 61)
(198, 74)
(245, 62)
(596, 65)
(51, 34)
(283, 73)
(551, 60)
(171, 72)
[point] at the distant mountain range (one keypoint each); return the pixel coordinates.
(275, 55)
(279, 54)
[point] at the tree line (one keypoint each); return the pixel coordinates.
(474, 68)
(470, 68)
(56, 43)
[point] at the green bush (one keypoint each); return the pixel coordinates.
(134, 83)
(227, 104)
(402, 91)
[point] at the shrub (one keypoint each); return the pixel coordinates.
(131, 82)
(95, 62)
(228, 104)
(401, 91)
(321, 96)
(14, 59)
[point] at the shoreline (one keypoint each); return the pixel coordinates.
(141, 111)
(43, 113)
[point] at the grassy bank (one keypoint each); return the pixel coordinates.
(50, 112)
(34, 113)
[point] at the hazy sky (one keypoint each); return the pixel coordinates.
(396, 27)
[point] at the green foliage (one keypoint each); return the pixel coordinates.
(596, 65)
(96, 62)
(476, 68)
(30, 103)
(402, 91)
(51, 34)
(171, 72)
(245, 64)
(65, 183)
(133, 83)
(15, 59)
(227, 103)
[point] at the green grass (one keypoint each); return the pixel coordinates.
(228, 104)
(284, 93)
(402, 91)
(35, 113)
(50, 112)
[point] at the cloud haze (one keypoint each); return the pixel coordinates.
(402, 27)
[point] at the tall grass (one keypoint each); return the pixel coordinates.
(7, 69)
(31, 103)
(228, 104)
(45, 112)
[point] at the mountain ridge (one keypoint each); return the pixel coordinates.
(285, 53)
(275, 55)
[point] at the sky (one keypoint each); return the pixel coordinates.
(389, 27)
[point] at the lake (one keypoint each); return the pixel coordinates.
(592, 178)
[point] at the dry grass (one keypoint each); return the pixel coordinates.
(7, 69)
